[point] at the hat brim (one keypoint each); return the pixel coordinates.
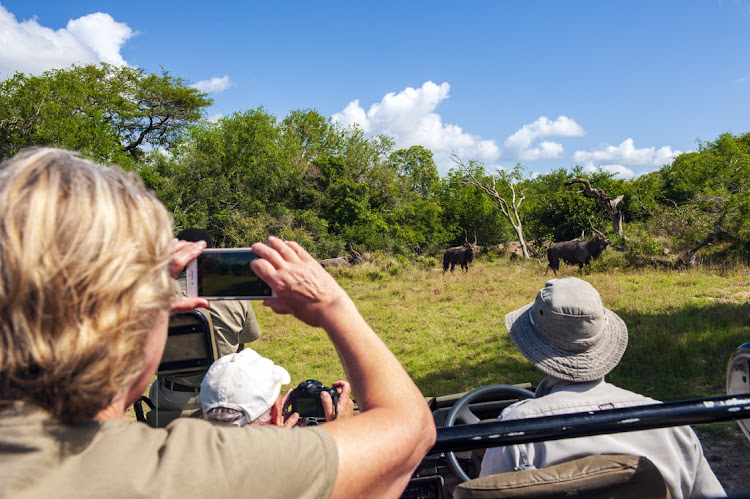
(589, 365)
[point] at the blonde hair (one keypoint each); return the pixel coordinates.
(84, 251)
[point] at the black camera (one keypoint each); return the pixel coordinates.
(305, 401)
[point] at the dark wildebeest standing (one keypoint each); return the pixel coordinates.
(461, 255)
(342, 260)
(576, 251)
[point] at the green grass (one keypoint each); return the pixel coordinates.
(448, 330)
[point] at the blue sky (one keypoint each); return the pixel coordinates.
(621, 85)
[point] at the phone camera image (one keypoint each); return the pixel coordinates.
(228, 274)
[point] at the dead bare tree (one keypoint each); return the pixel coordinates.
(509, 209)
(611, 206)
(687, 259)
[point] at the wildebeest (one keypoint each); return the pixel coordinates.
(461, 255)
(342, 260)
(576, 251)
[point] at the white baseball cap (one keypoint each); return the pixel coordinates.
(244, 381)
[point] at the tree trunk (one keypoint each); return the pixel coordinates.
(519, 234)
(611, 206)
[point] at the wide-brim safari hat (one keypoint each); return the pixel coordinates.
(567, 332)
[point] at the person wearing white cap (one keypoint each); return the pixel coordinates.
(245, 388)
(569, 335)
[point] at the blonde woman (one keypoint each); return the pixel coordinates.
(87, 267)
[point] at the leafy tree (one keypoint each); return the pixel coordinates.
(560, 213)
(416, 168)
(713, 182)
(467, 210)
(110, 113)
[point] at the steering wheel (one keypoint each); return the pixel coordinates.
(461, 414)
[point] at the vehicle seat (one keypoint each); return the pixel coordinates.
(190, 349)
(159, 418)
(591, 477)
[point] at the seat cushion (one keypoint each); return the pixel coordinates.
(599, 476)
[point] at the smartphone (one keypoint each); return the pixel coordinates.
(225, 274)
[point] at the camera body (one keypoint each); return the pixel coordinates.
(305, 400)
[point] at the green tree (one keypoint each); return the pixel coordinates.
(712, 185)
(506, 194)
(113, 114)
(467, 210)
(416, 168)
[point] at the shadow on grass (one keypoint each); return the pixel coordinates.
(682, 353)
(502, 364)
(676, 355)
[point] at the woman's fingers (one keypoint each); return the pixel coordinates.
(181, 253)
(186, 304)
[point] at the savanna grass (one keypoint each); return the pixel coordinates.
(448, 329)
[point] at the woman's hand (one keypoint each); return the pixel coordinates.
(302, 286)
(182, 252)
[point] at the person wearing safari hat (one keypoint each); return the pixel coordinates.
(568, 334)
(245, 388)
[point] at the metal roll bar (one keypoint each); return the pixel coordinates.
(644, 417)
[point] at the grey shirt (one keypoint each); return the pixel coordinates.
(676, 451)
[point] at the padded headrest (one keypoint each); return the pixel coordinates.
(591, 477)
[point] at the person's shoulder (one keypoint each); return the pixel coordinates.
(523, 409)
(230, 306)
(622, 395)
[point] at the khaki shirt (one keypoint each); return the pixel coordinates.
(234, 325)
(40, 457)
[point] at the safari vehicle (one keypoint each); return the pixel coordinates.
(467, 425)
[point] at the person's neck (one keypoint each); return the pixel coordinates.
(115, 410)
(551, 384)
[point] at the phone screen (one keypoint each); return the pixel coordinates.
(227, 274)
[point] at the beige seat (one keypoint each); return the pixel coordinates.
(592, 477)
(190, 349)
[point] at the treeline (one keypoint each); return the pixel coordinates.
(302, 177)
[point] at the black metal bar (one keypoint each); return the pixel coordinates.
(645, 417)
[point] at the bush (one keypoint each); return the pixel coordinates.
(426, 262)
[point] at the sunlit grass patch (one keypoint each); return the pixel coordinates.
(448, 329)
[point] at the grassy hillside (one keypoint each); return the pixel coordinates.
(448, 330)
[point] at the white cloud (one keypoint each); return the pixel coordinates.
(409, 117)
(103, 35)
(353, 114)
(213, 85)
(619, 171)
(626, 154)
(519, 145)
(29, 47)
